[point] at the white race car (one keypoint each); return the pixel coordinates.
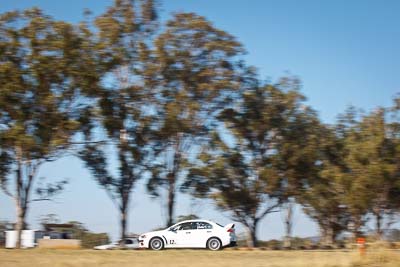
(191, 234)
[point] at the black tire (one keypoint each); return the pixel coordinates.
(214, 244)
(156, 243)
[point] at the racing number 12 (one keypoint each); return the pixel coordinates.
(172, 242)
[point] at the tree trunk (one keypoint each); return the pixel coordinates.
(357, 228)
(378, 218)
(327, 235)
(21, 197)
(123, 227)
(171, 199)
(20, 223)
(356, 233)
(332, 232)
(19, 201)
(124, 215)
(252, 238)
(288, 225)
(322, 234)
(330, 237)
(21, 211)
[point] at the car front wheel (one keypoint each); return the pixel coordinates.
(156, 243)
(214, 243)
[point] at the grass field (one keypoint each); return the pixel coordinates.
(195, 258)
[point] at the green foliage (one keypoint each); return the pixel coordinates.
(358, 173)
(193, 69)
(187, 217)
(321, 198)
(372, 167)
(123, 103)
(41, 82)
(249, 177)
(46, 74)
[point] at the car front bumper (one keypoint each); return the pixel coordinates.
(142, 243)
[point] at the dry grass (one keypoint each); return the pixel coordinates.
(379, 258)
(193, 258)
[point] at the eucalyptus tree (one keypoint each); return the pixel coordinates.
(321, 198)
(394, 135)
(46, 71)
(242, 169)
(298, 149)
(393, 126)
(194, 69)
(124, 102)
(337, 197)
(357, 174)
(373, 166)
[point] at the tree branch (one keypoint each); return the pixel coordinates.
(268, 210)
(40, 199)
(6, 191)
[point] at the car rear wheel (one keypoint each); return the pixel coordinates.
(156, 243)
(214, 243)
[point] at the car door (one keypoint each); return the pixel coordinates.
(180, 236)
(201, 234)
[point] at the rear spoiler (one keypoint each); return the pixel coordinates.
(229, 226)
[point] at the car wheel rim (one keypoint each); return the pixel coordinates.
(214, 244)
(156, 244)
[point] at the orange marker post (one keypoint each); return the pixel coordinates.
(361, 245)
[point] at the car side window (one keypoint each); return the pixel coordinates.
(203, 225)
(186, 226)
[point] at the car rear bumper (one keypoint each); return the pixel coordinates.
(232, 244)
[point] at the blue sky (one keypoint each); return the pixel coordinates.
(345, 52)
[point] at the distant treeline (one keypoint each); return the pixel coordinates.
(179, 107)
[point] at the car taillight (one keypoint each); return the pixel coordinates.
(230, 230)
